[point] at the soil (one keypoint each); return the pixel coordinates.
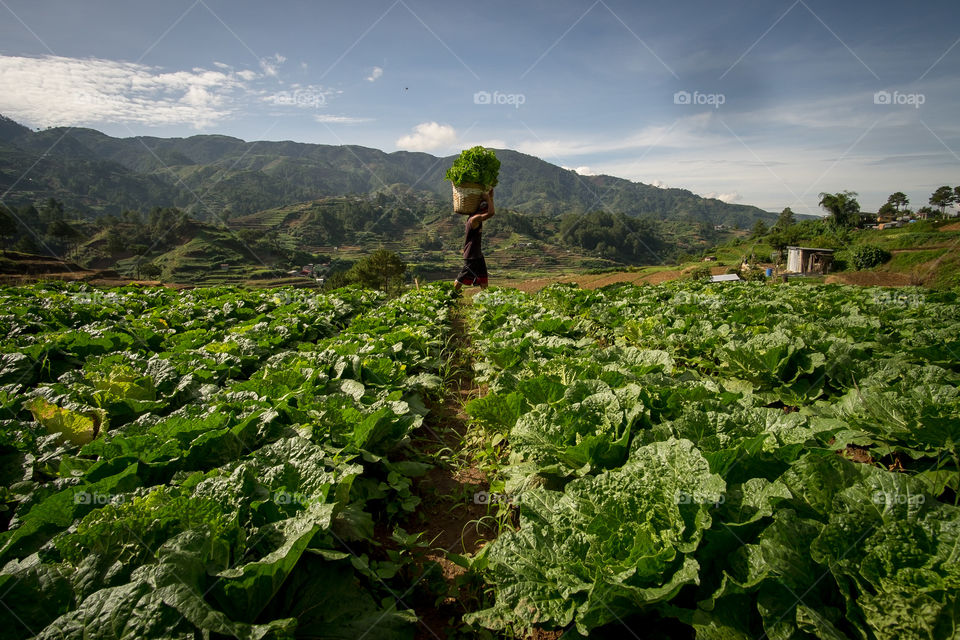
(857, 454)
(586, 281)
(595, 281)
(452, 519)
(23, 269)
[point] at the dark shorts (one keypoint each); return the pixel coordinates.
(473, 272)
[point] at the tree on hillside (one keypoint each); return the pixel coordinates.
(51, 211)
(116, 241)
(150, 270)
(785, 220)
(8, 226)
(67, 236)
(759, 229)
(380, 270)
(887, 210)
(27, 244)
(271, 240)
(943, 198)
(843, 208)
(108, 221)
(898, 200)
(164, 223)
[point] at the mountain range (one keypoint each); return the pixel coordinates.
(211, 176)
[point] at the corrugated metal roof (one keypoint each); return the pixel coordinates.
(813, 249)
(726, 277)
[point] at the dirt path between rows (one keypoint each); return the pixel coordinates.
(448, 513)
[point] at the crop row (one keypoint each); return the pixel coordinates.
(210, 461)
(681, 459)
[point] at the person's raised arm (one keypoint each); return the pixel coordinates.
(486, 215)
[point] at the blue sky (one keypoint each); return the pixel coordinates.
(758, 102)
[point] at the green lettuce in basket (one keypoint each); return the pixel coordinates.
(478, 165)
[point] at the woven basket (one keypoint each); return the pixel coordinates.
(467, 197)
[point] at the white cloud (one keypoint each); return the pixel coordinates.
(685, 133)
(53, 91)
(331, 119)
(271, 64)
(723, 197)
(375, 74)
(428, 136)
(59, 91)
(583, 171)
(309, 96)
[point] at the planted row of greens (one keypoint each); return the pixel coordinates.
(179, 464)
(680, 455)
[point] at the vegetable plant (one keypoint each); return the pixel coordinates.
(476, 164)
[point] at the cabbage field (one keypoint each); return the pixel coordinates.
(673, 461)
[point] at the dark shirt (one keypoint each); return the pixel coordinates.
(473, 237)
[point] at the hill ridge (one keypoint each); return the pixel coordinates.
(95, 173)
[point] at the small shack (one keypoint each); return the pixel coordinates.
(726, 277)
(807, 260)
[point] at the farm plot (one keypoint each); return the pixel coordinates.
(744, 462)
(212, 462)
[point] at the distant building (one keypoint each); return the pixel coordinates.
(809, 260)
(725, 277)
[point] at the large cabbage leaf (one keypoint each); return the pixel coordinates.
(607, 545)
